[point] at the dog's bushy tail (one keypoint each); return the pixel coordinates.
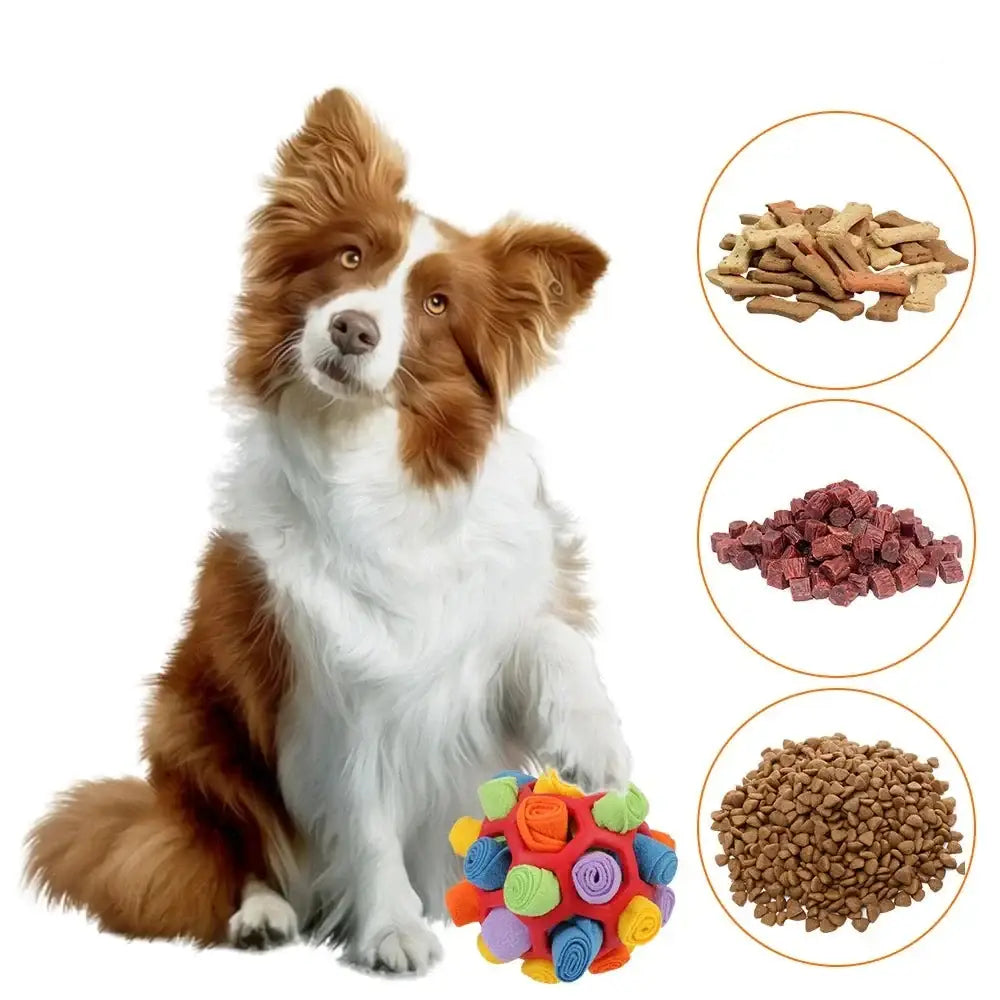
(133, 862)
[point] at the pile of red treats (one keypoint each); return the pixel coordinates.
(839, 543)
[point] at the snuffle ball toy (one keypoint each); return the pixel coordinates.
(564, 881)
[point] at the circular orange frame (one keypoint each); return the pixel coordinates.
(785, 378)
(701, 511)
(805, 961)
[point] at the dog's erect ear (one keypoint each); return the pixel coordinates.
(543, 276)
(340, 137)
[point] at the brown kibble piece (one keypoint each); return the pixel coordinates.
(844, 310)
(805, 802)
(770, 304)
(886, 310)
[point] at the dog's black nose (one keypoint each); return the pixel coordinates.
(353, 331)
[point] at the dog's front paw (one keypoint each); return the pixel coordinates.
(264, 921)
(399, 948)
(593, 760)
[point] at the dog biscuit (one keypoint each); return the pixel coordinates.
(865, 281)
(738, 259)
(728, 242)
(796, 281)
(915, 253)
(851, 215)
(845, 309)
(825, 248)
(894, 218)
(895, 235)
(749, 219)
(817, 270)
(951, 260)
(886, 310)
(813, 218)
(798, 311)
(761, 239)
(912, 270)
(925, 291)
(771, 260)
(736, 285)
(880, 257)
(767, 221)
(786, 212)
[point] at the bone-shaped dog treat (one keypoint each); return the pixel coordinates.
(886, 310)
(880, 257)
(767, 221)
(851, 215)
(747, 219)
(787, 248)
(915, 253)
(786, 212)
(951, 260)
(894, 218)
(728, 242)
(797, 311)
(912, 270)
(895, 235)
(771, 260)
(925, 290)
(825, 248)
(738, 286)
(865, 281)
(813, 218)
(738, 259)
(797, 282)
(846, 249)
(816, 269)
(844, 310)
(761, 239)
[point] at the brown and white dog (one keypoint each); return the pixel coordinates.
(390, 610)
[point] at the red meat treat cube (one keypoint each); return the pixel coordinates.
(798, 506)
(718, 536)
(836, 569)
(955, 542)
(813, 529)
(909, 553)
(792, 535)
(736, 528)
(725, 549)
(809, 494)
(819, 505)
(890, 549)
(743, 559)
(783, 518)
(789, 552)
(923, 535)
(840, 517)
(950, 571)
(876, 534)
(821, 588)
(860, 502)
(775, 576)
(907, 520)
(767, 525)
(840, 492)
(752, 538)
(926, 576)
(881, 582)
(801, 589)
(905, 577)
(827, 547)
(858, 527)
(842, 535)
(794, 567)
(772, 543)
(884, 519)
(873, 496)
(934, 554)
(864, 549)
(842, 595)
(859, 581)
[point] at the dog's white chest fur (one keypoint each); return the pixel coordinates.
(400, 606)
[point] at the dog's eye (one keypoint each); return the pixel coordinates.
(350, 258)
(435, 304)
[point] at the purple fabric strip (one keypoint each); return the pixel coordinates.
(597, 876)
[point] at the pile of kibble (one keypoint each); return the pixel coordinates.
(829, 831)
(839, 543)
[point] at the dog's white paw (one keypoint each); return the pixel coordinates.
(401, 948)
(593, 757)
(264, 921)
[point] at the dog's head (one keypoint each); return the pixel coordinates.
(352, 291)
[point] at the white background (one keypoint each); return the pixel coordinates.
(133, 138)
(807, 448)
(868, 720)
(831, 160)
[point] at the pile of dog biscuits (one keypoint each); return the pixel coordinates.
(823, 258)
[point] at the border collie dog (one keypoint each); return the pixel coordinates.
(391, 609)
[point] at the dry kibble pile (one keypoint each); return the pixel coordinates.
(839, 543)
(829, 830)
(823, 258)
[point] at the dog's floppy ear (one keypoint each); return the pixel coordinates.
(339, 136)
(543, 275)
